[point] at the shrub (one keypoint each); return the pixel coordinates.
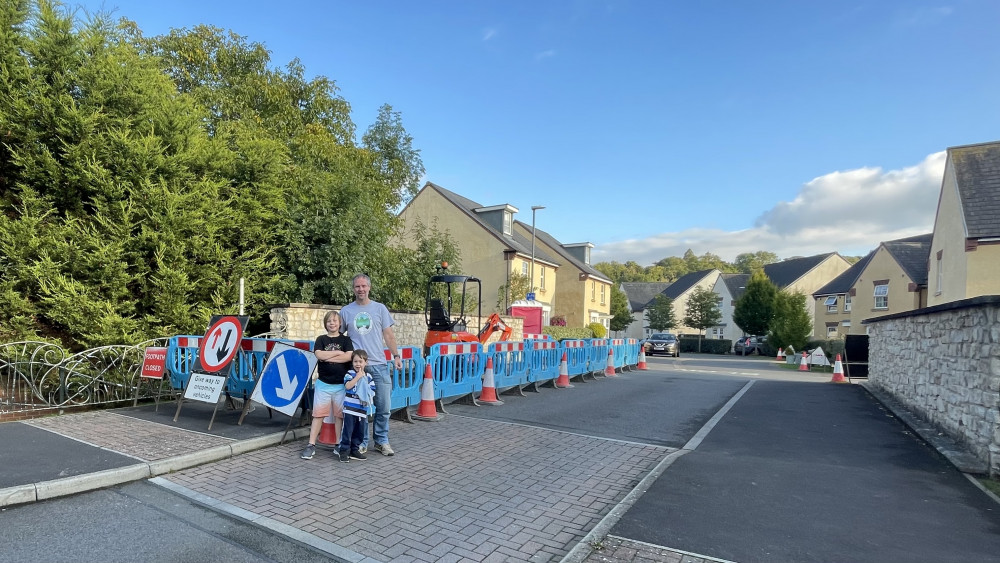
(566, 333)
(598, 330)
(708, 345)
(558, 320)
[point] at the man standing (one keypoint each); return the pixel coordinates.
(369, 325)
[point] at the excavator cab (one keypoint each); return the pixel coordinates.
(449, 300)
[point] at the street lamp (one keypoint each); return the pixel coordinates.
(531, 280)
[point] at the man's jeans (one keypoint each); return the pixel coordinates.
(383, 401)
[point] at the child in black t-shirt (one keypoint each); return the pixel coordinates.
(333, 350)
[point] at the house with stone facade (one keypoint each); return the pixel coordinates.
(964, 256)
(494, 246)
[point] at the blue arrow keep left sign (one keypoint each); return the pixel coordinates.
(284, 378)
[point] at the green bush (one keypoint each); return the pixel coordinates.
(598, 330)
(566, 333)
(708, 346)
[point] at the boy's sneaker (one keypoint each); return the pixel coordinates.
(355, 454)
(344, 458)
(384, 449)
(363, 449)
(308, 452)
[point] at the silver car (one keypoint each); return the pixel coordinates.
(663, 343)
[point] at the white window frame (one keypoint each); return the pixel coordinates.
(831, 304)
(541, 281)
(847, 303)
(524, 269)
(831, 331)
(940, 274)
(882, 296)
(593, 291)
(508, 223)
(603, 288)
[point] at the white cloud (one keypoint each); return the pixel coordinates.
(489, 33)
(850, 212)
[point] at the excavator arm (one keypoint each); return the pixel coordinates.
(493, 324)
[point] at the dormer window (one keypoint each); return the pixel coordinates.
(508, 223)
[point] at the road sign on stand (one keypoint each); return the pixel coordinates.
(284, 378)
(216, 352)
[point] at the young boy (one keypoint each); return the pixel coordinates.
(359, 404)
(333, 350)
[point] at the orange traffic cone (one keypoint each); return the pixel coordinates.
(804, 363)
(426, 410)
(838, 372)
(489, 394)
(610, 369)
(642, 357)
(563, 379)
(781, 355)
(328, 435)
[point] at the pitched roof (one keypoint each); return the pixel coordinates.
(912, 254)
(685, 282)
(845, 281)
(641, 293)
(977, 170)
(786, 272)
(514, 241)
(736, 284)
(566, 256)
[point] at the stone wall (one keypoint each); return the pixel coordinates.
(943, 362)
(302, 321)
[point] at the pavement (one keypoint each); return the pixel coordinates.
(536, 494)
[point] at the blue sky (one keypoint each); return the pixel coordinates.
(650, 127)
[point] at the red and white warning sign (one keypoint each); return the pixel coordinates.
(220, 344)
(154, 363)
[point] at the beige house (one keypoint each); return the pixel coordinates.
(890, 279)
(583, 295)
(806, 274)
(495, 246)
(964, 256)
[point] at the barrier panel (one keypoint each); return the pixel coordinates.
(543, 361)
(510, 366)
(182, 351)
(250, 361)
(406, 382)
(536, 336)
(457, 368)
(618, 347)
(577, 357)
(597, 355)
(631, 353)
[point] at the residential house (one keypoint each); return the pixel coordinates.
(682, 289)
(806, 274)
(834, 303)
(494, 246)
(583, 295)
(729, 288)
(965, 250)
(640, 296)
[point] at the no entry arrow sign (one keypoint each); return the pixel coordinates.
(220, 344)
(284, 378)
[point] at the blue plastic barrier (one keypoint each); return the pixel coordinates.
(249, 363)
(182, 351)
(406, 382)
(577, 357)
(598, 355)
(510, 366)
(457, 368)
(631, 353)
(618, 348)
(543, 360)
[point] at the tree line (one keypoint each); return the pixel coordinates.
(142, 177)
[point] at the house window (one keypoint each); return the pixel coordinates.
(831, 304)
(847, 303)
(602, 294)
(831, 331)
(508, 221)
(524, 269)
(593, 291)
(882, 296)
(845, 324)
(940, 273)
(541, 282)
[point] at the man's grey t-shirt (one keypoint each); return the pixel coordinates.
(365, 324)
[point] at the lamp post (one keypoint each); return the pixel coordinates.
(531, 279)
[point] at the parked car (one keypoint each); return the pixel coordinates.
(663, 343)
(752, 344)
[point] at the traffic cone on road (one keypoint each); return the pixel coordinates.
(563, 379)
(804, 362)
(489, 394)
(328, 435)
(642, 357)
(426, 410)
(838, 372)
(610, 369)
(781, 355)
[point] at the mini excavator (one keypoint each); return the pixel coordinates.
(448, 294)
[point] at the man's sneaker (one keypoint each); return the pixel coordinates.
(355, 454)
(344, 458)
(363, 449)
(308, 452)
(384, 449)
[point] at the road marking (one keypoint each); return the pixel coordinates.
(696, 440)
